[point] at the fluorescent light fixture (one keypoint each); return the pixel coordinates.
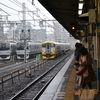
(80, 0)
(79, 12)
(80, 6)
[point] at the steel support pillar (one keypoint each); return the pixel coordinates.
(98, 42)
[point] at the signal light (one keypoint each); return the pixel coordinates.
(73, 28)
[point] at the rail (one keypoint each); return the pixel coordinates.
(31, 87)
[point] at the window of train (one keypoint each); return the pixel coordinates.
(35, 48)
(43, 45)
(13, 47)
(58, 48)
(30, 47)
(4, 46)
(20, 46)
(48, 45)
(39, 48)
(52, 45)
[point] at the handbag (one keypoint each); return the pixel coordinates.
(87, 94)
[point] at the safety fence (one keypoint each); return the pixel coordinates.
(27, 71)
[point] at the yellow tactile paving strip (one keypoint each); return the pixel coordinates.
(71, 86)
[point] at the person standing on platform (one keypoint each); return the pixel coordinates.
(77, 46)
(85, 71)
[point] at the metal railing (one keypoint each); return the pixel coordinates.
(17, 73)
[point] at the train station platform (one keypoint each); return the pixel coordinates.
(63, 86)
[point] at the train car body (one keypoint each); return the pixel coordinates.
(51, 50)
(32, 49)
(6, 49)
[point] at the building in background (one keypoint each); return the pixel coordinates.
(60, 34)
(50, 37)
(38, 35)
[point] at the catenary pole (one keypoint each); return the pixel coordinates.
(24, 29)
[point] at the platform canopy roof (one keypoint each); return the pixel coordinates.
(66, 11)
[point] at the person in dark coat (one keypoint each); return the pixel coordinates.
(77, 46)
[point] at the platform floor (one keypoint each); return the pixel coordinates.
(63, 86)
(56, 88)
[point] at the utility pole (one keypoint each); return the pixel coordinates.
(1, 30)
(24, 29)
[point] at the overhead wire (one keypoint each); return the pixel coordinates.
(19, 4)
(29, 10)
(42, 14)
(5, 12)
(15, 3)
(8, 7)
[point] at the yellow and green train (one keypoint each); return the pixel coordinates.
(51, 50)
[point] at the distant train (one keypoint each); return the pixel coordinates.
(51, 50)
(32, 49)
(11, 47)
(6, 48)
(48, 49)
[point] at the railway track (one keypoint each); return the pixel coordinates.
(4, 63)
(7, 67)
(20, 83)
(33, 90)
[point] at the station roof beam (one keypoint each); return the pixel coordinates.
(66, 11)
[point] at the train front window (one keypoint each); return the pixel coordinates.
(4, 46)
(52, 45)
(20, 46)
(43, 45)
(13, 48)
(48, 45)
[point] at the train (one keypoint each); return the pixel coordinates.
(9, 48)
(51, 49)
(48, 49)
(6, 48)
(32, 49)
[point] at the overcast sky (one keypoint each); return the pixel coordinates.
(13, 8)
